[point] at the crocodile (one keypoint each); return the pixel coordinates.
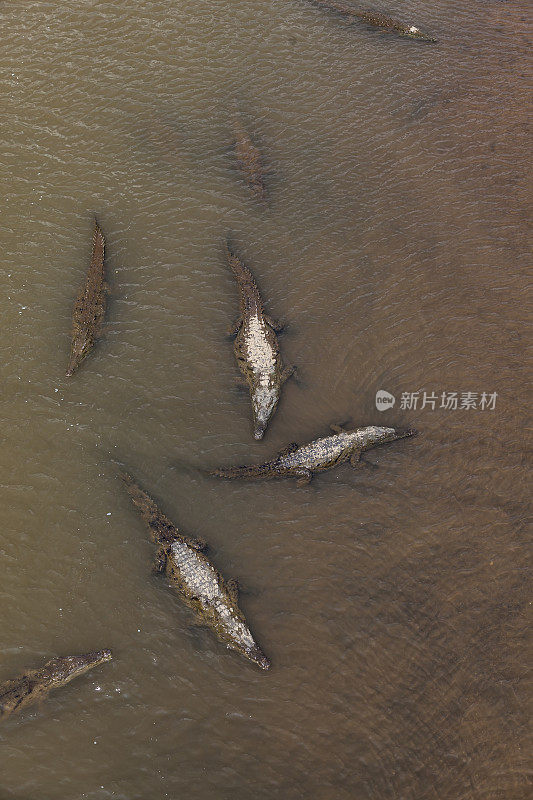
(256, 348)
(249, 160)
(35, 685)
(376, 19)
(191, 574)
(89, 308)
(301, 461)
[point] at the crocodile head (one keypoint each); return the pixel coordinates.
(238, 636)
(377, 435)
(60, 671)
(264, 402)
(256, 655)
(412, 32)
(81, 344)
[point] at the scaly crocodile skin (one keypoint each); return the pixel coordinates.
(256, 348)
(317, 456)
(196, 580)
(36, 684)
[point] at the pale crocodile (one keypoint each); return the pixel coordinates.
(301, 461)
(191, 574)
(256, 347)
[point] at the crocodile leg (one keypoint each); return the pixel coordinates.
(198, 544)
(234, 329)
(160, 561)
(304, 476)
(337, 428)
(233, 589)
(355, 458)
(276, 326)
(241, 382)
(291, 447)
(286, 374)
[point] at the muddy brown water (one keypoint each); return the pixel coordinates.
(392, 601)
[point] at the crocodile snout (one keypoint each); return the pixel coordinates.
(259, 430)
(259, 658)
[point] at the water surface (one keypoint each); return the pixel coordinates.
(390, 600)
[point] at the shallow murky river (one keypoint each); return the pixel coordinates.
(391, 600)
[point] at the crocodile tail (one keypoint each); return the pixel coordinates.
(161, 528)
(141, 500)
(402, 433)
(133, 488)
(243, 276)
(243, 473)
(98, 254)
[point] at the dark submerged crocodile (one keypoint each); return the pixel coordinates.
(194, 578)
(249, 160)
(35, 685)
(90, 305)
(256, 348)
(374, 18)
(301, 461)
